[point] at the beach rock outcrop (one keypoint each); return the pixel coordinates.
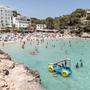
(14, 76)
(85, 35)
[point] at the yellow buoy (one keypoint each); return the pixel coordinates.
(64, 73)
(51, 68)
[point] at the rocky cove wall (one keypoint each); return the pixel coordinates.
(15, 76)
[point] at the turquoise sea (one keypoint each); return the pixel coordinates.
(79, 49)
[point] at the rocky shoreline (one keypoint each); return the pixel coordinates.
(15, 76)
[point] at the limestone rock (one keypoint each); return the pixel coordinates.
(14, 76)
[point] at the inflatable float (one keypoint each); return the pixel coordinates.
(62, 68)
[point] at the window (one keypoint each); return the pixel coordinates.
(5, 10)
(5, 21)
(2, 24)
(1, 21)
(5, 14)
(1, 10)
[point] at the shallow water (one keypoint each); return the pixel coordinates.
(79, 49)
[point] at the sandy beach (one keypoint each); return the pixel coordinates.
(33, 37)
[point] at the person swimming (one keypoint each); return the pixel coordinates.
(36, 50)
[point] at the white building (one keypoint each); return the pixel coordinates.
(84, 20)
(5, 16)
(88, 11)
(40, 26)
(8, 20)
(21, 21)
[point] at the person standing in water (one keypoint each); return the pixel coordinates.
(70, 43)
(23, 45)
(54, 45)
(77, 65)
(46, 46)
(81, 64)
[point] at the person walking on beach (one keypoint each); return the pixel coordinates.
(23, 45)
(3, 43)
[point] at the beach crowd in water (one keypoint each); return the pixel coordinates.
(36, 37)
(24, 37)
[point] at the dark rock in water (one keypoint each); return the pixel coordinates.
(1, 52)
(8, 57)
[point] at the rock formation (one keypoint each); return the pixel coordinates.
(14, 76)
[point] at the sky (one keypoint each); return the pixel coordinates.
(45, 8)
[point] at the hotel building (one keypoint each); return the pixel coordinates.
(5, 17)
